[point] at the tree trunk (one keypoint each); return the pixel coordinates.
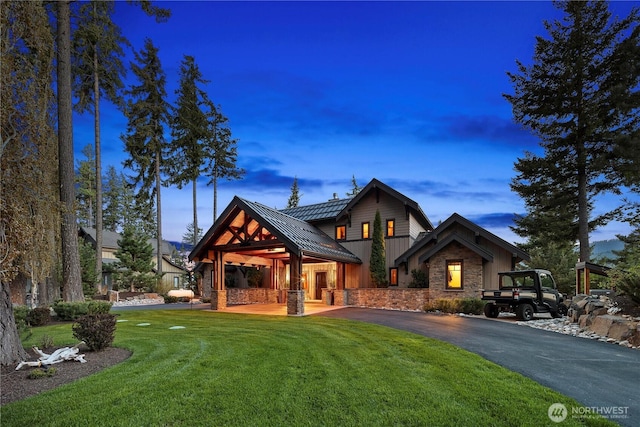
(195, 215)
(215, 197)
(99, 226)
(10, 345)
(71, 278)
(158, 216)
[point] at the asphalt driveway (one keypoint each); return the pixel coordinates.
(601, 376)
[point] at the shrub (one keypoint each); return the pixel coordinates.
(96, 330)
(419, 279)
(626, 282)
(456, 305)
(20, 313)
(184, 299)
(205, 299)
(170, 299)
(70, 310)
(98, 307)
(42, 373)
(46, 341)
(39, 316)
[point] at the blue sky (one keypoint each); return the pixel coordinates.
(409, 93)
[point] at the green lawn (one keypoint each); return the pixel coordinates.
(244, 370)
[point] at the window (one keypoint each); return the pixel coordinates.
(454, 275)
(341, 232)
(391, 227)
(365, 230)
(393, 276)
(176, 282)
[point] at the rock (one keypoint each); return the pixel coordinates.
(614, 327)
(592, 305)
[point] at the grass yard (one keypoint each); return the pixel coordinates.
(247, 370)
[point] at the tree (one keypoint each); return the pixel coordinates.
(86, 191)
(29, 201)
(90, 278)
(221, 153)
(134, 268)
(192, 236)
(188, 130)
(294, 198)
(560, 259)
(378, 261)
(147, 112)
(581, 98)
(355, 188)
(71, 277)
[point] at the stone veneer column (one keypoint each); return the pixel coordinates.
(295, 302)
(218, 300)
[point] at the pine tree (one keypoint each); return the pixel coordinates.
(134, 268)
(294, 198)
(221, 153)
(86, 191)
(355, 188)
(29, 201)
(188, 130)
(377, 261)
(192, 236)
(71, 277)
(147, 112)
(581, 98)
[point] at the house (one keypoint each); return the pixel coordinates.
(173, 274)
(310, 251)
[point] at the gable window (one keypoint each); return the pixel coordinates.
(391, 227)
(365, 230)
(393, 276)
(454, 275)
(341, 232)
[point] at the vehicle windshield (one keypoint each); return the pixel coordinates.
(523, 280)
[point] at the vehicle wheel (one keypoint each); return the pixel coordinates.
(491, 310)
(524, 312)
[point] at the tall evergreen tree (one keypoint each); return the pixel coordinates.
(355, 188)
(188, 130)
(294, 198)
(192, 236)
(581, 98)
(221, 152)
(114, 195)
(86, 191)
(29, 200)
(71, 277)
(147, 113)
(134, 268)
(378, 260)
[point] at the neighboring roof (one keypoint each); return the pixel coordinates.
(456, 218)
(110, 240)
(413, 206)
(318, 211)
(296, 235)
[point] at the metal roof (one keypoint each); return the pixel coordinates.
(318, 211)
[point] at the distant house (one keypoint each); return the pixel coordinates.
(173, 275)
(309, 249)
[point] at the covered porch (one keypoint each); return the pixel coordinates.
(294, 258)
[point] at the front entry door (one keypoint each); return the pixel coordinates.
(321, 282)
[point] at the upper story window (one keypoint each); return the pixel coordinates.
(391, 227)
(365, 231)
(341, 232)
(454, 275)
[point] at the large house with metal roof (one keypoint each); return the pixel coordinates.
(307, 250)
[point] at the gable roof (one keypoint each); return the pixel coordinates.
(376, 185)
(110, 240)
(479, 231)
(263, 228)
(318, 211)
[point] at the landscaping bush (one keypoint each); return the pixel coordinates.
(456, 305)
(42, 373)
(98, 307)
(170, 299)
(419, 279)
(20, 313)
(96, 330)
(70, 310)
(39, 316)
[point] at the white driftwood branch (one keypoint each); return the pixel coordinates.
(60, 355)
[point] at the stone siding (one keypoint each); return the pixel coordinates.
(237, 296)
(404, 299)
(471, 273)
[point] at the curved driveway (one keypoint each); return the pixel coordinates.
(596, 374)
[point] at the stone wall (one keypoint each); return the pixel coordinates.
(405, 299)
(471, 273)
(251, 296)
